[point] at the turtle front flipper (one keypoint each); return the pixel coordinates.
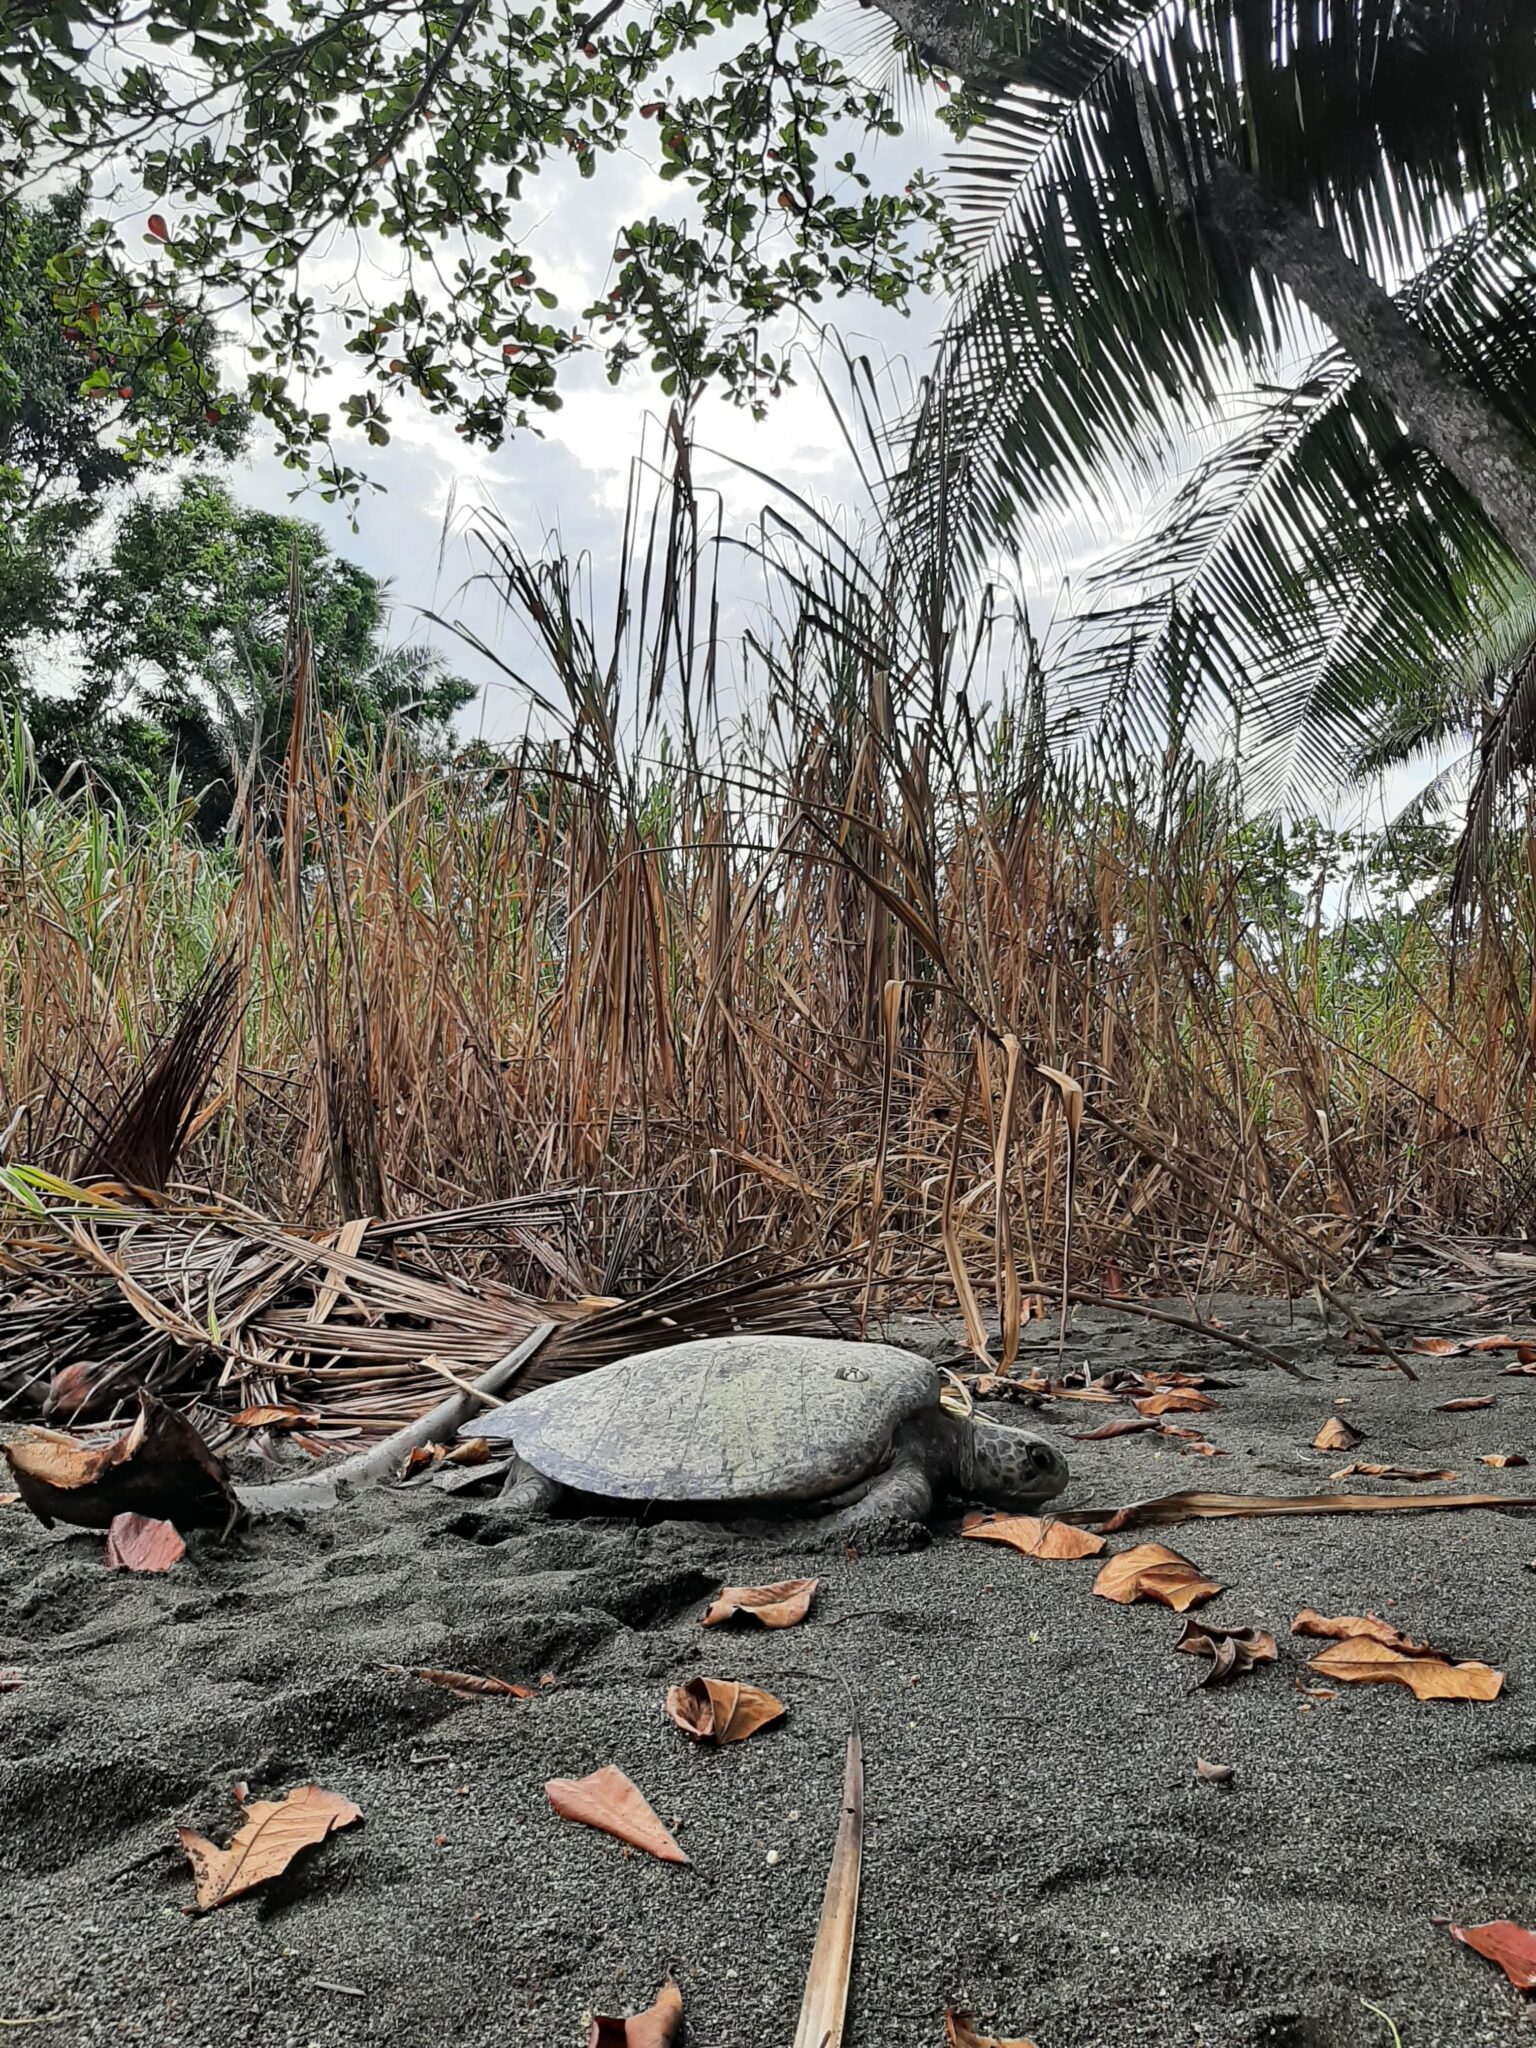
(530, 1493)
(893, 1513)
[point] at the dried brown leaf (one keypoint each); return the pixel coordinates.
(1437, 1347)
(609, 1801)
(1176, 1401)
(1524, 1371)
(824, 2006)
(960, 2032)
(657, 2027)
(1153, 1572)
(1340, 1627)
(1232, 1651)
(1130, 1427)
(1336, 1435)
(275, 1831)
(1034, 1535)
(160, 1467)
(1361, 1660)
(1214, 1774)
(137, 1544)
(1506, 1943)
(1496, 1344)
(780, 1605)
(1417, 1472)
(1194, 1506)
(468, 1685)
(1466, 1402)
(273, 1416)
(1503, 1461)
(720, 1710)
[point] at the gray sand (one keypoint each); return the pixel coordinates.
(1037, 1850)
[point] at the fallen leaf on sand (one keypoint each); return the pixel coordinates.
(993, 1386)
(1214, 1774)
(275, 1831)
(1129, 1427)
(1418, 1472)
(473, 1450)
(1176, 1401)
(1199, 1448)
(1505, 1343)
(1335, 1435)
(1506, 1943)
(274, 1417)
(609, 1801)
(719, 1710)
(1034, 1536)
(960, 2032)
(1501, 1461)
(159, 1467)
(1517, 1372)
(1361, 1660)
(1437, 1347)
(1232, 1651)
(780, 1605)
(1342, 1626)
(9, 1500)
(656, 2027)
(468, 1685)
(1466, 1402)
(1153, 1572)
(136, 1544)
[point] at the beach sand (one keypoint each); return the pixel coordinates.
(1038, 1849)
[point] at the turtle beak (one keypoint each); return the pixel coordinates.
(1048, 1469)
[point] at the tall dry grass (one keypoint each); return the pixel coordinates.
(792, 986)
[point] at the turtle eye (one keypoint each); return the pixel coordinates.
(1041, 1457)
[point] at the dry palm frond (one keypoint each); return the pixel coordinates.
(139, 1129)
(218, 1304)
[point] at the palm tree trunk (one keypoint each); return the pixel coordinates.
(1487, 453)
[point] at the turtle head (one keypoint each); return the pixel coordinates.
(1011, 1468)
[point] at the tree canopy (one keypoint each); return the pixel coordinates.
(184, 629)
(71, 422)
(259, 136)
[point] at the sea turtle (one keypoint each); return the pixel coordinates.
(754, 1422)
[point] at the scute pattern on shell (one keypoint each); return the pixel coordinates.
(737, 1418)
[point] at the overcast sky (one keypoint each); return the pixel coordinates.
(572, 480)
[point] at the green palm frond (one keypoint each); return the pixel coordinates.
(1320, 575)
(1104, 316)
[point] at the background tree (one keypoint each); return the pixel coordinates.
(185, 623)
(64, 450)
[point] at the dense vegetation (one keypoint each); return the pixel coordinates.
(795, 992)
(810, 977)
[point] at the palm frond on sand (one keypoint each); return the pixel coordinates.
(215, 1304)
